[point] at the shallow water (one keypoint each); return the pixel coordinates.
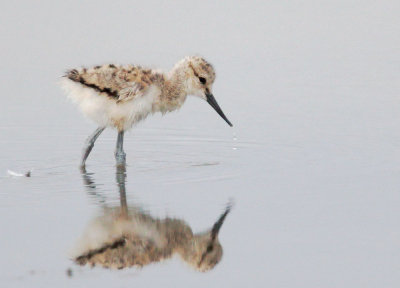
(311, 163)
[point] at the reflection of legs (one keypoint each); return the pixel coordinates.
(120, 155)
(91, 188)
(90, 143)
(121, 179)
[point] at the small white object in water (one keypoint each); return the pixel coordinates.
(15, 174)
(234, 139)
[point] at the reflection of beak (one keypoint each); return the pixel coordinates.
(211, 100)
(218, 224)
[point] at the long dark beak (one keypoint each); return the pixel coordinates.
(218, 224)
(211, 100)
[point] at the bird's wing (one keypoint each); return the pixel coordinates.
(124, 252)
(132, 91)
(121, 83)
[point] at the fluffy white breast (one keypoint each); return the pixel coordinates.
(106, 111)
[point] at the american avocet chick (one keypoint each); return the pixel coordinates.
(120, 96)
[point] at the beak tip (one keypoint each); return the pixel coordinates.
(211, 100)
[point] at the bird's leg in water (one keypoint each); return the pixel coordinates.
(90, 143)
(120, 155)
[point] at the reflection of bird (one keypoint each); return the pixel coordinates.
(125, 237)
(120, 96)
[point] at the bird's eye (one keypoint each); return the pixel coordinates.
(209, 248)
(202, 80)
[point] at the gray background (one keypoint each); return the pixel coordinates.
(312, 162)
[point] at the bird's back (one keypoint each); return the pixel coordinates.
(110, 79)
(125, 252)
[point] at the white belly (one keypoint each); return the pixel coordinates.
(107, 112)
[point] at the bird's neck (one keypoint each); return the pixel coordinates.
(192, 250)
(174, 91)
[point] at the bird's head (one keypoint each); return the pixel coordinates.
(200, 76)
(206, 251)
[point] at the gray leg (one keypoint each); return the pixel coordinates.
(120, 155)
(90, 143)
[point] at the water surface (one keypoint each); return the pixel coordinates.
(312, 162)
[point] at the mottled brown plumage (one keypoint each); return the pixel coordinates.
(121, 83)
